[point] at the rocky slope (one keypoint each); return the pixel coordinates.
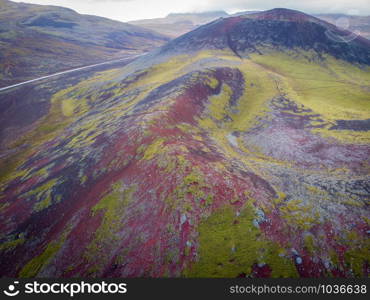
(37, 40)
(245, 157)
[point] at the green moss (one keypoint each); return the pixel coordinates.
(188, 207)
(44, 195)
(69, 269)
(32, 268)
(113, 207)
(234, 200)
(334, 89)
(171, 204)
(208, 200)
(49, 128)
(71, 103)
(68, 107)
(3, 206)
(334, 257)
(10, 245)
(170, 163)
(35, 265)
(45, 129)
(172, 256)
(358, 254)
(356, 260)
(83, 179)
(212, 82)
(187, 250)
(153, 149)
(192, 178)
(296, 213)
(230, 245)
(113, 201)
(219, 104)
(44, 203)
(309, 244)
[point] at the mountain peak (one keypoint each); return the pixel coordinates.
(278, 29)
(283, 14)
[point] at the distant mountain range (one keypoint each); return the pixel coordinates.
(37, 40)
(175, 25)
(239, 149)
(358, 24)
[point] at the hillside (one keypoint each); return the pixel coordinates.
(240, 149)
(37, 40)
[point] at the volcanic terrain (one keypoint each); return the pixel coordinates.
(240, 149)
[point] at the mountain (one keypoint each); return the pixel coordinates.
(244, 34)
(358, 24)
(240, 149)
(37, 40)
(175, 25)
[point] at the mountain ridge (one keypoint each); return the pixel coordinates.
(359, 24)
(38, 40)
(288, 29)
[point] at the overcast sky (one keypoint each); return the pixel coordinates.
(126, 10)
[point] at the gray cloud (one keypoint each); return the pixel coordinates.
(311, 6)
(107, 0)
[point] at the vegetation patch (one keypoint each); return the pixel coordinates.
(230, 244)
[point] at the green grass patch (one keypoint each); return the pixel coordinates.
(229, 245)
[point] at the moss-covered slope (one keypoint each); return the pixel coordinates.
(203, 165)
